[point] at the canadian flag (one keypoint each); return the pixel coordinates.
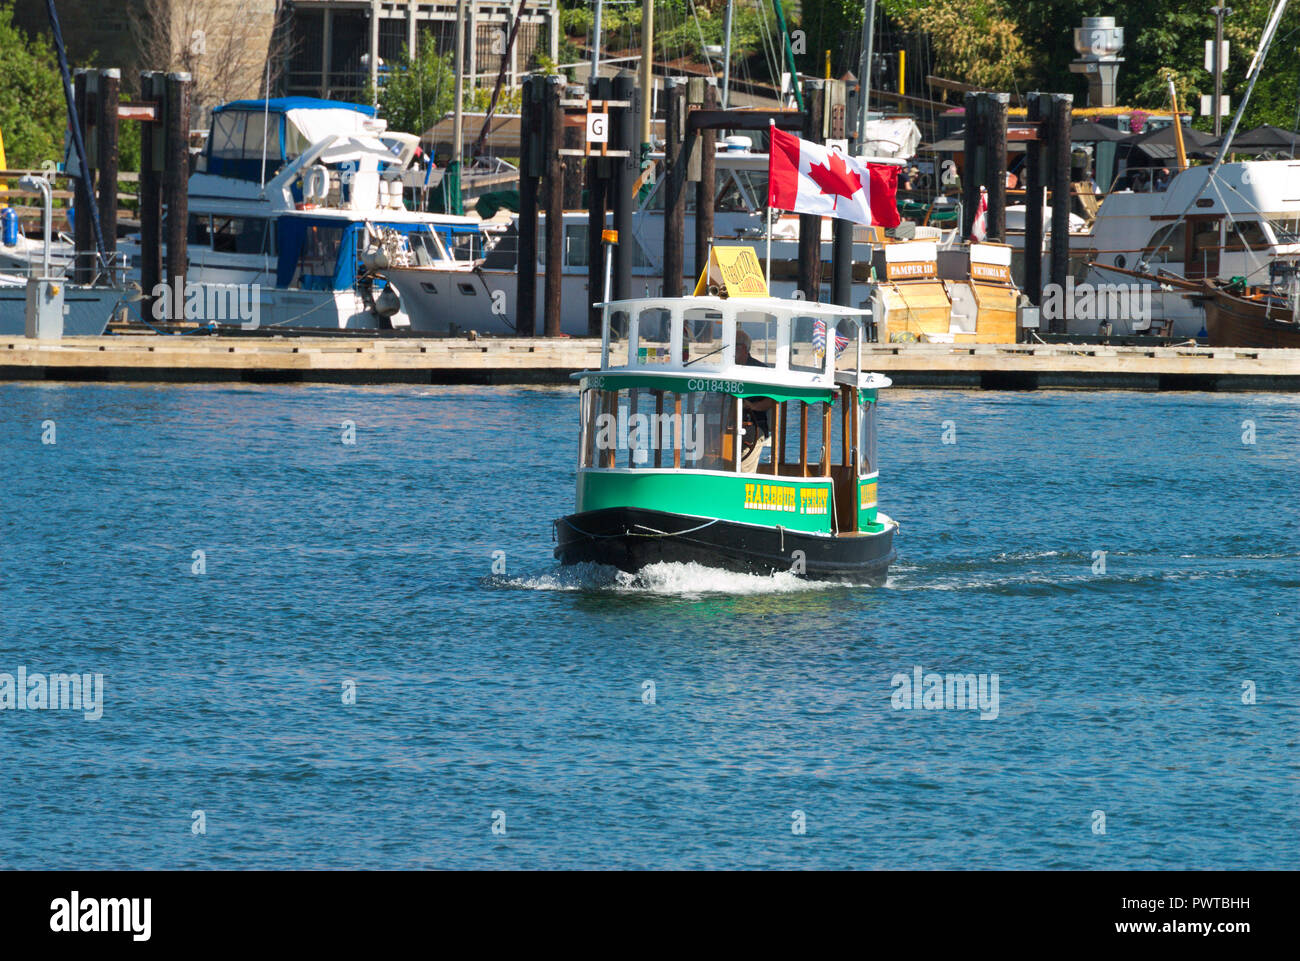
(979, 228)
(811, 178)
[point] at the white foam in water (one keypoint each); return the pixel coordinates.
(670, 579)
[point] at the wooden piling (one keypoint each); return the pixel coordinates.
(972, 173)
(153, 89)
(626, 170)
(598, 171)
(995, 138)
(1062, 117)
(110, 82)
(706, 185)
(176, 187)
(1039, 109)
(530, 135)
(83, 232)
(554, 115)
(810, 225)
(675, 186)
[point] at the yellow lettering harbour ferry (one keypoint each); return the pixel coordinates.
(729, 431)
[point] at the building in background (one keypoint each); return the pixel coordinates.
(337, 48)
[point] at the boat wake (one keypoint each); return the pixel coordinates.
(667, 579)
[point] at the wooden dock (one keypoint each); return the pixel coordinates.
(370, 360)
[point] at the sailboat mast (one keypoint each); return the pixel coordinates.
(595, 41)
(458, 134)
(647, 61)
(789, 52)
(726, 57)
(864, 73)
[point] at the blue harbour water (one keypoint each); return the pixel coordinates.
(1120, 689)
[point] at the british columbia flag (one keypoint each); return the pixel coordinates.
(819, 339)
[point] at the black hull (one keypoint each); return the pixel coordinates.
(631, 538)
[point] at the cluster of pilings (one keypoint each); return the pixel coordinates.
(164, 112)
(1046, 134)
(611, 177)
(551, 177)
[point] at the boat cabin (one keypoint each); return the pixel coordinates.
(746, 409)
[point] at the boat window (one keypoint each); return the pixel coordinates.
(253, 139)
(806, 421)
(1160, 245)
(1245, 235)
(709, 428)
(807, 343)
(620, 324)
(654, 336)
(227, 136)
(200, 230)
(504, 255)
(423, 246)
(742, 191)
(239, 235)
(1286, 227)
(867, 439)
(760, 328)
(319, 256)
(702, 336)
(645, 429)
(463, 246)
(575, 245)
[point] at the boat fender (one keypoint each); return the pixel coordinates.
(388, 302)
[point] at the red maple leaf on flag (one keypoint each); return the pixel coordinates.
(835, 178)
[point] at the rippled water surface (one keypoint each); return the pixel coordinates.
(1121, 678)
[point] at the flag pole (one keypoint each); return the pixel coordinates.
(769, 250)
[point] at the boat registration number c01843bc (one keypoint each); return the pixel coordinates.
(782, 497)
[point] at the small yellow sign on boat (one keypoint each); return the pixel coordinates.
(734, 271)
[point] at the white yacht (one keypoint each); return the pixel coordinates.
(1235, 226)
(303, 198)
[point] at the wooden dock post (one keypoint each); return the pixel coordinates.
(707, 184)
(810, 225)
(153, 161)
(554, 122)
(530, 140)
(1038, 110)
(972, 174)
(674, 185)
(626, 171)
(83, 232)
(835, 123)
(176, 188)
(110, 82)
(995, 139)
(1062, 117)
(598, 173)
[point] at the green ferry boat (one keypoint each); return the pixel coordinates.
(721, 431)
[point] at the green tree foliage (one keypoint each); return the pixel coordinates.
(32, 113)
(418, 91)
